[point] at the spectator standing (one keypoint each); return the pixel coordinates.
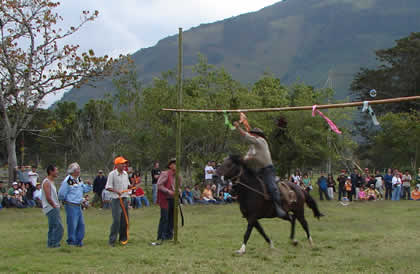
(418, 178)
(331, 186)
(365, 178)
(349, 189)
(208, 173)
(22, 174)
(341, 181)
(296, 178)
(406, 185)
(118, 184)
(359, 183)
(33, 176)
(323, 186)
(29, 194)
(166, 191)
(51, 208)
(3, 195)
(37, 197)
(71, 192)
(396, 186)
(306, 181)
(106, 199)
(388, 184)
(98, 187)
(379, 184)
(155, 176)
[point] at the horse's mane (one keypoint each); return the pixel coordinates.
(237, 160)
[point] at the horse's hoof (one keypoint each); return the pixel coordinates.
(295, 242)
(241, 250)
(272, 245)
(311, 243)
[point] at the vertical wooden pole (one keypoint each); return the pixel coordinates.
(178, 138)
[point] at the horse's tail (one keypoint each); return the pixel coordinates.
(312, 205)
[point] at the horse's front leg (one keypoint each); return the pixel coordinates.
(262, 232)
(246, 237)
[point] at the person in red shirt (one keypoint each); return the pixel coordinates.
(166, 191)
(140, 196)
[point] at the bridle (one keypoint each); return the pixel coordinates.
(236, 180)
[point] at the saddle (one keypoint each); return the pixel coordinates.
(287, 193)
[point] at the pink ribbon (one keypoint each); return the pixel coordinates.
(331, 123)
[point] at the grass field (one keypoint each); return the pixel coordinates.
(370, 237)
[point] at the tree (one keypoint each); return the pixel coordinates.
(34, 63)
(398, 75)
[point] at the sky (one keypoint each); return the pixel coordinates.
(126, 26)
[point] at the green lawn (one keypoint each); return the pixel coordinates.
(371, 237)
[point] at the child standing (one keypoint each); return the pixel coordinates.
(347, 187)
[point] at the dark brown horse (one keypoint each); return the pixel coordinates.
(255, 206)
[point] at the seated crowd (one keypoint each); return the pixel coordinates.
(366, 186)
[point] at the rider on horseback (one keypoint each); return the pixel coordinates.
(259, 156)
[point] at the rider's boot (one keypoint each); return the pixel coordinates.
(276, 196)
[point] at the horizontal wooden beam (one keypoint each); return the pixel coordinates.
(341, 105)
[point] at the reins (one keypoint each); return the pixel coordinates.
(125, 212)
(237, 181)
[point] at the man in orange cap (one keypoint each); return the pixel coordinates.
(117, 183)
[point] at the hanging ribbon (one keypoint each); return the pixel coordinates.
(368, 108)
(227, 122)
(125, 212)
(244, 120)
(330, 123)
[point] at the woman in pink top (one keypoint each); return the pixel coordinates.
(362, 194)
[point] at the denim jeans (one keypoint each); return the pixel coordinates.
(75, 224)
(166, 222)
(139, 201)
(187, 200)
(154, 192)
(323, 191)
(396, 192)
(30, 203)
(55, 228)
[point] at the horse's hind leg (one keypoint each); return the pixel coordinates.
(246, 238)
(292, 231)
(304, 224)
(262, 232)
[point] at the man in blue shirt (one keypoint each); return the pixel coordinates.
(71, 193)
(323, 186)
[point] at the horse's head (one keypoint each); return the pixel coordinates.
(230, 167)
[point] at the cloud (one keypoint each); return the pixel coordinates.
(126, 26)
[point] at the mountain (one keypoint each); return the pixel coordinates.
(297, 40)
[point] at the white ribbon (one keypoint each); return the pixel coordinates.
(368, 108)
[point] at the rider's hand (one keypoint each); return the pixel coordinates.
(236, 124)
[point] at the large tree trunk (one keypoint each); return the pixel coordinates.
(11, 160)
